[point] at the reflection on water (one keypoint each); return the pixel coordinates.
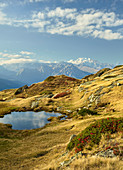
(27, 120)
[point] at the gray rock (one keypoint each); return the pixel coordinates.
(80, 89)
(89, 105)
(107, 153)
(34, 104)
(78, 154)
(91, 98)
(97, 100)
(72, 136)
(69, 111)
(118, 84)
(65, 163)
(59, 109)
(65, 153)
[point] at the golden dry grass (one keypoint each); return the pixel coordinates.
(94, 163)
(42, 148)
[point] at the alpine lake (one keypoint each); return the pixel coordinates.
(28, 120)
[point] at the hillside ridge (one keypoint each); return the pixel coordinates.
(92, 110)
(89, 91)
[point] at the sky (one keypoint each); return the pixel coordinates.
(61, 30)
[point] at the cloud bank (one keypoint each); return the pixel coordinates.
(70, 21)
(21, 57)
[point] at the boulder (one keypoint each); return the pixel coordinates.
(72, 136)
(34, 104)
(21, 89)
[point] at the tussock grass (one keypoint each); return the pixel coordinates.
(94, 163)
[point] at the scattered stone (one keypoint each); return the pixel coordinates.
(69, 111)
(34, 104)
(80, 89)
(78, 154)
(92, 98)
(85, 107)
(72, 136)
(107, 153)
(97, 101)
(67, 162)
(79, 108)
(118, 84)
(89, 105)
(59, 108)
(65, 153)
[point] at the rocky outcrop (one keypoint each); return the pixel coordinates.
(34, 104)
(107, 154)
(21, 89)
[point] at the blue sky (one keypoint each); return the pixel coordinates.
(60, 30)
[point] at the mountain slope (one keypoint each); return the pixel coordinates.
(100, 95)
(36, 72)
(103, 88)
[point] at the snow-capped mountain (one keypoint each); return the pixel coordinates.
(89, 64)
(81, 60)
(34, 72)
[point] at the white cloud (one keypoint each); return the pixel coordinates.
(20, 60)
(7, 55)
(39, 15)
(67, 21)
(59, 12)
(3, 5)
(68, 1)
(26, 53)
(37, 1)
(107, 34)
(3, 18)
(88, 22)
(7, 58)
(42, 61)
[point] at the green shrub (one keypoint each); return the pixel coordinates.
(46, 92)
(92, 134)
(84, 112)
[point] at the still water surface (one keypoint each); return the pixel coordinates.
(27, 120)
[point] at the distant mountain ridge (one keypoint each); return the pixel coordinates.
(90, 65)
(33, 72)
(9, 84)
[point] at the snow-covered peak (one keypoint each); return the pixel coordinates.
(88, 62)
(80, 61)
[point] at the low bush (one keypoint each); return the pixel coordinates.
(62, 94)
(45, 92)
(84, 112)
(92, 134)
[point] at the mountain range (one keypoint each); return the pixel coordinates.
(33, 72)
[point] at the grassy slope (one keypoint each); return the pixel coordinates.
(42, 148)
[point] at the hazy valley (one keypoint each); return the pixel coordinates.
(33, 72)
